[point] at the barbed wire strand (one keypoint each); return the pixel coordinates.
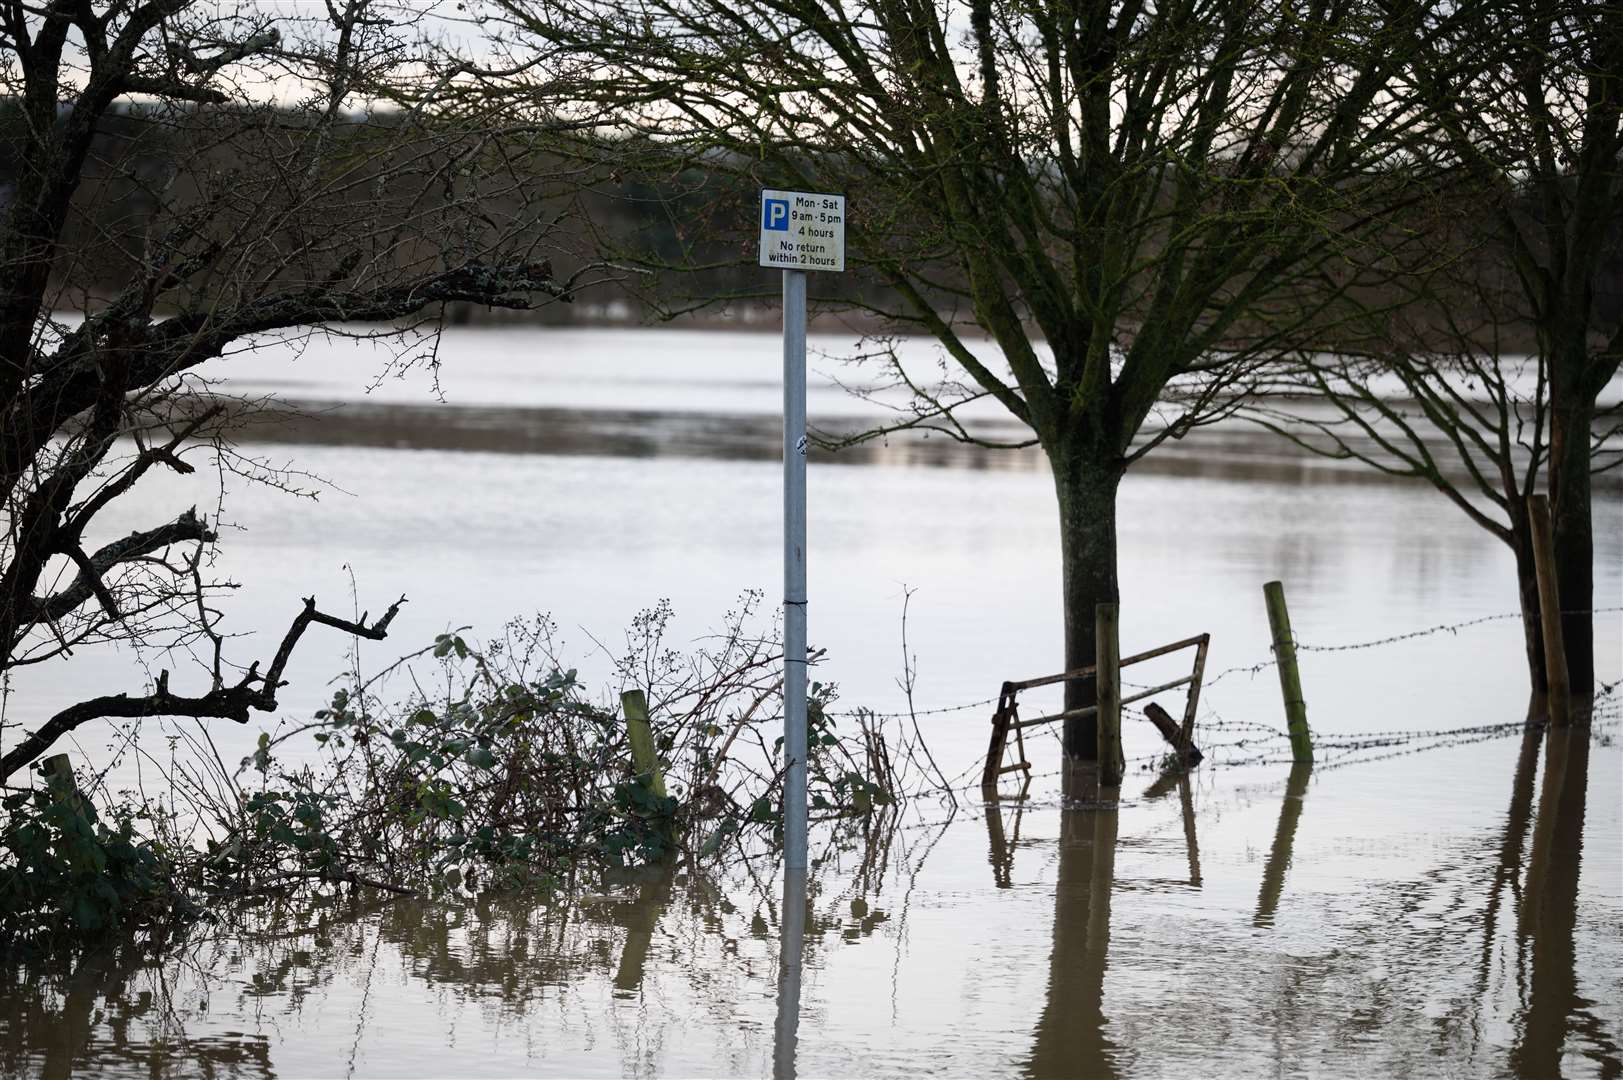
(1261, 665)
(1334, 749)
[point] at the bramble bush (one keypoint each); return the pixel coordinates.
(69, 871)
(497, 771)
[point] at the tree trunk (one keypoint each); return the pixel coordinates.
(1087, 537)
(1571, 412)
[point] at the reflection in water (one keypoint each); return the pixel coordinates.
(791, 953)
(1279, 857)
(640, 921)
(1178, 777)
(1379, 970)
(1001, 845)
(1547, 918)
(109, 992)
(1187, 799)
(1517, 820)
(1229, 453)
(1070, 1038)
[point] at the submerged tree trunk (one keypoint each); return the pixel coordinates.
(1571, 509)
(1087, 536)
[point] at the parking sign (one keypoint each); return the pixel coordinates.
(802, 230)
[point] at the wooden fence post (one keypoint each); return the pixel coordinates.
(1186, 734)
(643, 757)
(1549, 607)
(1290, 680)
(1107, 680)
(58, 773)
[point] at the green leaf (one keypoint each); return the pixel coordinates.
(713, 843)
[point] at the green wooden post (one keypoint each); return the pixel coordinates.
(641, 735)
(1107, 679)
(58, 773)
(1290, 680)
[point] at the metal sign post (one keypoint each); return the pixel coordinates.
(800, 231)
(794, 568)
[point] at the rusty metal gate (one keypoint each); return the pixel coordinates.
(1179, 735)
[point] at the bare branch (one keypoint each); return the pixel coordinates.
(221, 702)
(187, 527)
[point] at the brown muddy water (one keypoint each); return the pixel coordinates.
(1447, 913)
(1442, 895)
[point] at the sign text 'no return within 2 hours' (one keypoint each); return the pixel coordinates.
(802, 230)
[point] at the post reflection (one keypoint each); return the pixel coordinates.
(1279, 856)
(640, 920)
(1553, 1010)
(1000, 842)
(1071, 1038)
(786, 1033)
(1513, 842)
(1178, 777)
(1186, 799)
(88, 1015)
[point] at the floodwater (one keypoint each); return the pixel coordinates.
(1440, 906)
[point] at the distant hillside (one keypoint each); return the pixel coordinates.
(684, 242)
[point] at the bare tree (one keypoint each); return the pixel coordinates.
(1539, 121)
(1121, 196)
(1445, 386)
(1487, 380)
(182, 180)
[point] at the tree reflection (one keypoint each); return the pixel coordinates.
(1547, 920)
(1070, 1039)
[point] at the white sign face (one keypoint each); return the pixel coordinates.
(802, 231)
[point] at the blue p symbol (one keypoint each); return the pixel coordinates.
(775, 214)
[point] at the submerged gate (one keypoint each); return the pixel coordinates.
(1179, 736)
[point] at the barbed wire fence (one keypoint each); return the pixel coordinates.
(1248, 742)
